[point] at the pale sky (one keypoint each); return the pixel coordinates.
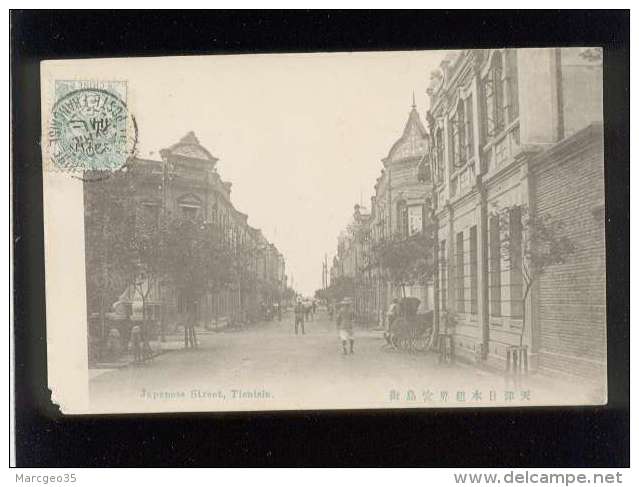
(300, 136)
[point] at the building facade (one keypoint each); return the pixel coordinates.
(400, 208)
(351, 264)
(185, 185)
(516, 135)
(398, 211)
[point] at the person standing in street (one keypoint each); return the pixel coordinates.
(391, 315)
(190, 340)
(345, 319)
(136, 343)
(299, 316)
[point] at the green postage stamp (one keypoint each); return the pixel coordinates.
(90, 127)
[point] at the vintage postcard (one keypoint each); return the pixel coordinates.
(418, 229)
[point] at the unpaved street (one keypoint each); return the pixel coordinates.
(267, 366)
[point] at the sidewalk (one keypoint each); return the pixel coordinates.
(127, 359)
(173, 341)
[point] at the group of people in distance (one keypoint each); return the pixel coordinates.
(345, 318)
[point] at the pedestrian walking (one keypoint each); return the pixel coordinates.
(391, 316)
(136, 343)
(190, 340)
(299, 316)
(345, 319)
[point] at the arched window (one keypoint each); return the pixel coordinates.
(493, 85)
(512, 83)
(459, 135)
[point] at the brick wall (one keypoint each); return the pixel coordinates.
(571, 314)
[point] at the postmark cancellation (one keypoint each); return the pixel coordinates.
(90, 127)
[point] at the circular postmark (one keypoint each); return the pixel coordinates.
(90, 130)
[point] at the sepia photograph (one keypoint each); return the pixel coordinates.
(319, 238)
(409, 229)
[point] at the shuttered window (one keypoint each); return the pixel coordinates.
(493, 87)
(495, 266)
(473, 269)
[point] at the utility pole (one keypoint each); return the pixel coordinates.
(324, 274)
(325, 271)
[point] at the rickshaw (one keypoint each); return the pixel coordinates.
(410, 331)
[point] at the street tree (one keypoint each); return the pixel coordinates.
(196, 260)
(341, 287)
(531, 244)
(109, 225)
(406, 260)
(289, 295)
(122, 251)
(244, 274)
(146, 266)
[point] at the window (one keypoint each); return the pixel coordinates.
(469, 128)
(473, 270)
(181, 303)
(415, 219)
(443, 270)
(402, 218)
(494, 98)
(512, 83)
(458, 136)
(516, 280)
(189, 212)
(495, 266)
(459, 271)
(424, 169)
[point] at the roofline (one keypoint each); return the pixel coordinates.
(420, 126)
